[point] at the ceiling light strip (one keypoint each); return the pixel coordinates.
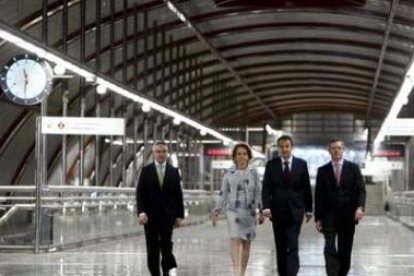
(217, 55)
(398, 103)
(23, 41)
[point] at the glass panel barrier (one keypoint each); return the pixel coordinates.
(17, 221)
(400, 206)
(75, 216)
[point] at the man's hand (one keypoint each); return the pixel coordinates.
(308, 217)
(142, 218)
(261, 219)
(216, 212)
(359, 214)
(319, 227)
(267, 213)
(214, 217)
(178, 222)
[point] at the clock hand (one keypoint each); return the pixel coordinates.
(26, 81)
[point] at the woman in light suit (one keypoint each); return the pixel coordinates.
(240, 196)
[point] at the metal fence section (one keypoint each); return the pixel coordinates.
(76, 216)
(400, 206)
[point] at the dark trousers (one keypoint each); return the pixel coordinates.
(287, 246)
(158, 238)
(338, 247)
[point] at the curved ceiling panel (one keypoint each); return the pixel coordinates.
(296, 51)
(259, 61)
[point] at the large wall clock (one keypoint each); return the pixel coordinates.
(26, 79)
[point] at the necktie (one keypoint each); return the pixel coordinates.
(286, 171)
(160, 174)
(337, 173)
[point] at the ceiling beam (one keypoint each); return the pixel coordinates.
(218, 56)
(393, 10)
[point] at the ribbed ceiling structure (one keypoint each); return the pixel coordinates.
(225, 63)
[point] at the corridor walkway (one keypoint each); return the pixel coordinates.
(382, 248)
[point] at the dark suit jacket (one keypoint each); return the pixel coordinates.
(164, 204)
(287, 200)
(341, 202)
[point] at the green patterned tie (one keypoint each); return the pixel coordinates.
(160, 174)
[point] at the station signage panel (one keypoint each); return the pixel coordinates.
(221, 164)
(215, 150)
(389, 150)
(83, 126)
(218, 152)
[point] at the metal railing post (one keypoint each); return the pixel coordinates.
(38, 183)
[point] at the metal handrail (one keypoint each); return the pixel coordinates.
(404, 193)
(8, 214)
(401, 207)
(65, 198)
(403, 197)
(84, 189)
(99, 200)
(61, 202)
(91, 189)
(65, 188)
(14, 210)
(17, 188)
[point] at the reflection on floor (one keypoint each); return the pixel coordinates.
(382, 247)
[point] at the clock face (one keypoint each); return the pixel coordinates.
(26, 79)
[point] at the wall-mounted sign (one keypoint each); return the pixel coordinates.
(389, 150)
(218, 152)
(221, 164)
(396, 165)
(83, 125)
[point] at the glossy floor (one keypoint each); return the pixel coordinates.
(382, 247)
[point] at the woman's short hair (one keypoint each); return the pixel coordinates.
(242, 145)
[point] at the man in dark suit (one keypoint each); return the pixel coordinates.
(286, 196)
(339, 205)
(159, 208)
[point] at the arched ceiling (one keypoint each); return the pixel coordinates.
(308, 58)
(261, 60)
(277, 57)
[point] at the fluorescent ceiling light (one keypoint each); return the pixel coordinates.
(145, 108)
(177, 12)
(23, 41)
(176, 121)
(399, 101)
(101, 89)
(59, 69)
(272, 131)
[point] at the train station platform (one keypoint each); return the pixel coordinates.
(88, 87)
(382, 247)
